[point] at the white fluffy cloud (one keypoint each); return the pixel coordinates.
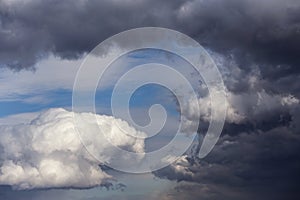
(242, 108)
(47, 152)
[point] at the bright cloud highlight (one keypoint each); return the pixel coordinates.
(47, 152)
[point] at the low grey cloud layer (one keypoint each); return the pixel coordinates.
(263, 31)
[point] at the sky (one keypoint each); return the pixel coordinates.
(254, 44)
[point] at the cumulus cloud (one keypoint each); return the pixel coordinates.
(47, 152)
(247, 107)
(252, 101)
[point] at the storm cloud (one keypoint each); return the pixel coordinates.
(260, 165)
(252, 31)
(254, 43)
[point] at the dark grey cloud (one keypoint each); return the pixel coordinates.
(254, 103)
(253, 31)
(31, 30)
(257, 156)
(264, 31)
(260, 165)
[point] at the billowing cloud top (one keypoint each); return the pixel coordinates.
(48, 152)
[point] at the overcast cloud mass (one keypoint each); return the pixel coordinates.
(254, 43)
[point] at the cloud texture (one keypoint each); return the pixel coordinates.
(257, 156)
(264, 31)
(48, 153)
(260, 165)
(255, 44)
